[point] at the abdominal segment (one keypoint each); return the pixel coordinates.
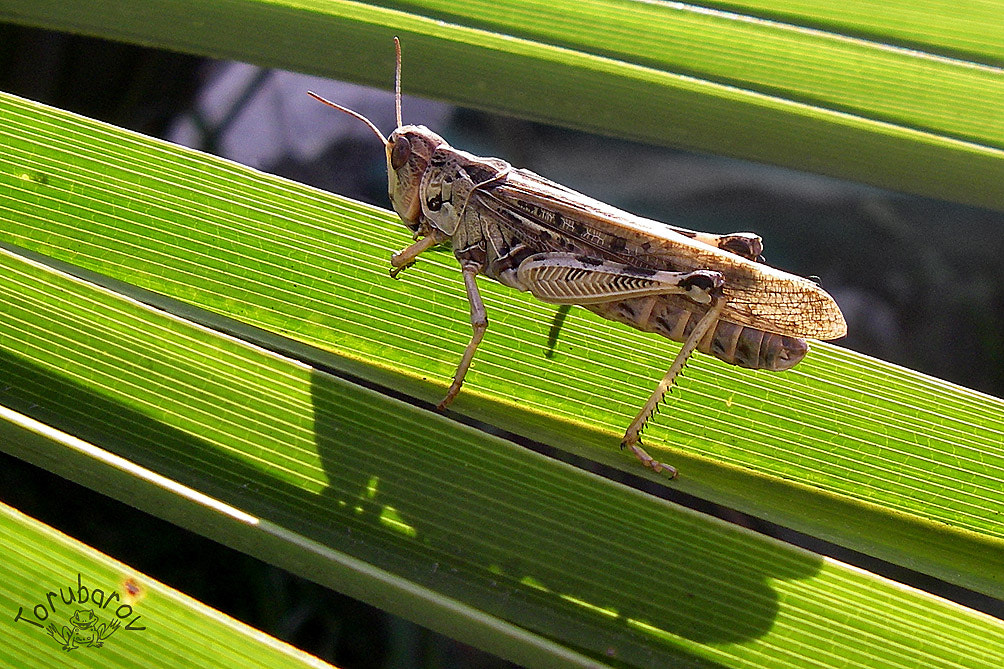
(674, 316)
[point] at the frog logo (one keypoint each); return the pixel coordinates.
(84, 630)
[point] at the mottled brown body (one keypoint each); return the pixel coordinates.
(707, 291)
(520, 227)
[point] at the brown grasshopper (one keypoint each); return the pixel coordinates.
(710, 292)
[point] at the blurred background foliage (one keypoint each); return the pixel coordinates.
(920, 282)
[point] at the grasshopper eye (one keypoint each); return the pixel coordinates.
(400, 153)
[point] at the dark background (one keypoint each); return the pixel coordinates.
(919, 280)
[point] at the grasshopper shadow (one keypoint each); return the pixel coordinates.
(467, 535)
(597, 552)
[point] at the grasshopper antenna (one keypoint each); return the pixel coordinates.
(397, 98)
(355, 114)
(397, 81)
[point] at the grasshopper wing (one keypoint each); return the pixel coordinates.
(776, 301)
(557, 218)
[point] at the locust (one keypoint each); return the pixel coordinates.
(711, 292)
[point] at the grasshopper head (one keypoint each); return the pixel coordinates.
(409, 150)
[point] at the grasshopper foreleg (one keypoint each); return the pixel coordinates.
(405, 258)
(633, 435)
(479, 323)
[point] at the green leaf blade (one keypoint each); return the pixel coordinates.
(827, 101)
(435, 520)
(159, 624)
(786, 60)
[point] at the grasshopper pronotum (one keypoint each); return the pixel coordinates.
(708, 291)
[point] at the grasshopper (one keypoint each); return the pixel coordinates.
(710, 292)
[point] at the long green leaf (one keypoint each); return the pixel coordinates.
(804, 90)
(154, 624)
(791, 61)
(530, 558)
(856, 451)
(970, 30)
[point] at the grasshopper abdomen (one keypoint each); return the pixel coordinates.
(675, 318)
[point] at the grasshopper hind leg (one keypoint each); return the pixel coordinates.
(632, 437)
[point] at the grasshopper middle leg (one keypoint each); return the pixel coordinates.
(479, 323)
(479, 319)
(632, 437)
